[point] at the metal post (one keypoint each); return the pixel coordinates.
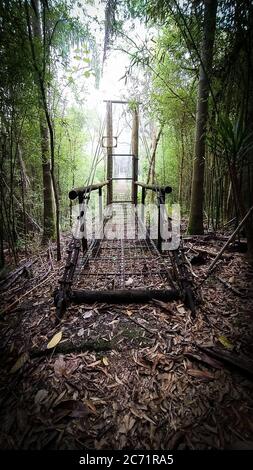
(135, 152)
(109, 151)
(100, 202)
(82, 216)
(143, 197)
(160, 200)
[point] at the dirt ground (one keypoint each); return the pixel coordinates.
(127, 378)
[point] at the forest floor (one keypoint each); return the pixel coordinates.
(139, 386)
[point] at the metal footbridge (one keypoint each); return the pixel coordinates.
(118, 252)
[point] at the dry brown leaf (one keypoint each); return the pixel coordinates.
(202, 374)
(118, 380)
(129, 313)
(127, 424)
(60, 367)
(181, 309)
(55, 340)
(72, 408)
(40, 396)
(93, 364)
(59, 398)
(90, 405)
(105, 361)
(19, 363)
(163, 305)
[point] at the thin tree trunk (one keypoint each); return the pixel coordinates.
(247, 185)
(31, 221)
(23, 189)
(48, 195)
(2, 222)
(181, 168)
(197, 196)
(153, 155)
(23, 173)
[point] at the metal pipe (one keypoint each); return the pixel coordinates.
(79, 192)
(154, 187)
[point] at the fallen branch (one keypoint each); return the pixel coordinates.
(190, 267)
(151, 332)
(134, 321)
(28, 216)
(13, 275)
(211, 253)
(69, 347)
(233, 289)
(204, 359)
(127, 296)
(236, 361)
(11, 306)
(231, 238)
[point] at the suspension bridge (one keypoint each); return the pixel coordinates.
(112, 256)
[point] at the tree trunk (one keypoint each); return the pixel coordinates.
(247, 185)
(135, 151)
(197, 196)
(39, 66)
(181, 168)
(48, 197)
(155, 142)
(23, 173)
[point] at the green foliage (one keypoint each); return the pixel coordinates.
(232, 139)
(65, 27)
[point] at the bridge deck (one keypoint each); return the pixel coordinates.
(129, 260)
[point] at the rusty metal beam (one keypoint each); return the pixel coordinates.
(123, 296)
(79, 192)
(154, 187)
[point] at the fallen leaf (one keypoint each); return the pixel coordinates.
(87, 314)
(118, 380)
(202, 374)
(127, 424)
(19, 363)
(55, 340)
(80, 332)
(79, 410)
(72, 408)
(105, 361)
(93, 364)
(181, 309)
(40, 396)
(129, 282)
(60, 367)
(225, 342)
(59, 398)
(163, 305)
(129, 313)
(91, 406)
(140, 414)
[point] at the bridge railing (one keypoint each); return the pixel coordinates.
(83, 190)
(161, 192)
(83, 195)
